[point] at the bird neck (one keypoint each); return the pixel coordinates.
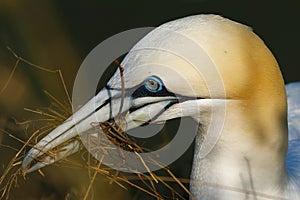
(246, 160)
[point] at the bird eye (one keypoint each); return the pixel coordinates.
(153, 84)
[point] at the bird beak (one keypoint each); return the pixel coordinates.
(64, 140)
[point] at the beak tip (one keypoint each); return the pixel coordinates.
(25, 164)
(27, 167)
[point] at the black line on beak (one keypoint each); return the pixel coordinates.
(101, 106)
(161, 112)
(109, 100)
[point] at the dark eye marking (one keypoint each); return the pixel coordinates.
(153, 87)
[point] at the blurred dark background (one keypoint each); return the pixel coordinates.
(59, 34)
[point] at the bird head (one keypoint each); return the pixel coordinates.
(179, 70)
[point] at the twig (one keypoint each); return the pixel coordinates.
(92, 180)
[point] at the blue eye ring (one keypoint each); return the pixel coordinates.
(153, 84)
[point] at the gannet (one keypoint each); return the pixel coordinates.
(253, 151)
